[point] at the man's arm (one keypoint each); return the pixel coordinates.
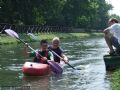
(109, 32)
(111, 29)
(106, 31)
(25, 51)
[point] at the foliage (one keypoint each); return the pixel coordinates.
(115, 85)
(73, 13)
(115, 16)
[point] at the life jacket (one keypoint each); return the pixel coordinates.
(39, 58)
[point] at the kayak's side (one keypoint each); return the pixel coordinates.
(36, 69)
(111, 62)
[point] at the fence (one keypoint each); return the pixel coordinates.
(34, 28)
(44, 28)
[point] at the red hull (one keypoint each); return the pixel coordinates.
(35, 69)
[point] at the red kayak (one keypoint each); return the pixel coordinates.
(36, 69)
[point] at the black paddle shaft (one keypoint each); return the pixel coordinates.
(61, 58)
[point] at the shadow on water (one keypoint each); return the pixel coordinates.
(86, 55)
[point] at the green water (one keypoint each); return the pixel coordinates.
(86, 55)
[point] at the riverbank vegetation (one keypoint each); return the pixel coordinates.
(4, 39)
(115, 80)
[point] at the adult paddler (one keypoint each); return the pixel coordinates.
(112, 36)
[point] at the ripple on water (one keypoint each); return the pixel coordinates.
(14, 67)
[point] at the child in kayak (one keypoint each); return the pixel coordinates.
(46, 55)
(55, 47)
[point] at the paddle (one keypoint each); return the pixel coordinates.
(54, 66)
(61, 58)
(32, 36)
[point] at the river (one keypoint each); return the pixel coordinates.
(86, 55)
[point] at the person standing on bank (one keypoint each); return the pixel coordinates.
(112, 36)
(56, 48)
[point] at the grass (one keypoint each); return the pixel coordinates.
(5, 39)
(67, 35)
(115, 81)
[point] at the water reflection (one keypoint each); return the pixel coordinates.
(36, 83)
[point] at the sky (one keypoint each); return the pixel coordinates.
(116, 6)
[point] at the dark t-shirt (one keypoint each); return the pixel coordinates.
(59, 51)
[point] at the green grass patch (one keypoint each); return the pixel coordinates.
(5, 39)
(50, 36)
(115, 80)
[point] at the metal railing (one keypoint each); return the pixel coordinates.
(34, 28)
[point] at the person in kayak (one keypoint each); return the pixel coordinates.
(112, 36)
(47, 55)
(56, 48)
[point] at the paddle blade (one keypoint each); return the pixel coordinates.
(32, 36)
(55, 67)
(11, 33)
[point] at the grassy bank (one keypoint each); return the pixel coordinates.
(4, 39)
(115, 81)
(68, 35)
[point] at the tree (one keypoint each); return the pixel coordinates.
(76, 13)
(115, 16)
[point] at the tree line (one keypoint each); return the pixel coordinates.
(91, 14)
